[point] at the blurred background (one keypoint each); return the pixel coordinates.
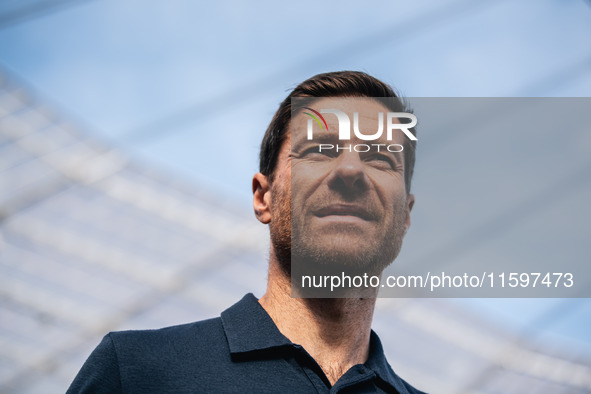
(129, 133)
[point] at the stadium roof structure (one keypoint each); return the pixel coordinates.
(91, 242)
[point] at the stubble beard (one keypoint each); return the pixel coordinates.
(346, 252)
(280, 227)
(294, 245)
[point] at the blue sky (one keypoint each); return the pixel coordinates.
(189, 87)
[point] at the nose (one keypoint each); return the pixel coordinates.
(348, 174)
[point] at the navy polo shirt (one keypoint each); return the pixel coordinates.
(240, 352)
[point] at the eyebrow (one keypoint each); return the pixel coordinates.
(333, 139)
(319, 138)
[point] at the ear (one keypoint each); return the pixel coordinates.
(410, 202)
(261, 199)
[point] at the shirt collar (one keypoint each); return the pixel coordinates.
(377, 362)
(249, 328)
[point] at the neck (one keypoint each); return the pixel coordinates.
(334, 331)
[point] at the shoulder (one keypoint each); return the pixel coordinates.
(171, 359)
(186, 341)
(411, 389)
(100, 373)
(209, 327)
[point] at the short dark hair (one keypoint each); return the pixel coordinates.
(333, 84)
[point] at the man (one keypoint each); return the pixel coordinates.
(350, 209)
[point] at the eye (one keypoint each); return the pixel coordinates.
(316, 153)
(380, 161)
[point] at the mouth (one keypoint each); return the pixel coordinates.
(343, 212)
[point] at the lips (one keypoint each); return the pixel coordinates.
(344, 210)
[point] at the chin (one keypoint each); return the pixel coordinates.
(337, 260)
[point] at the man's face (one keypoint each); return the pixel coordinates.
(347, 208)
